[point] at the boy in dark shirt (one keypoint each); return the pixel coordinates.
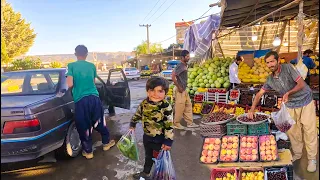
(89, 113)
(155, 112)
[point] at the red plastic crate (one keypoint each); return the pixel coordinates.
(222, 172)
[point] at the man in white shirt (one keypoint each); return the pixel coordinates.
(233, 72)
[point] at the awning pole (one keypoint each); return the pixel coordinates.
(300, 31)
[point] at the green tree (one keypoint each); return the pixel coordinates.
(16, 33)
(26, 63)
(143, 48)
(55, 65)
(4, 55)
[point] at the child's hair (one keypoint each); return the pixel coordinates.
(81, 50)
(153, 82)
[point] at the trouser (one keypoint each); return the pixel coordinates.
(88, 115)
(305, 118)
(182, 108)
(151, 151)
(307, 80)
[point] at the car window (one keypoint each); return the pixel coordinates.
(130, 69)
(29, 83)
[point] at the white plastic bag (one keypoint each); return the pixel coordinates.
(282, 119)
(302, 69)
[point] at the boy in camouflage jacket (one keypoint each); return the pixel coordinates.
(156, 115)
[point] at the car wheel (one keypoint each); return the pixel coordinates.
(72, 144)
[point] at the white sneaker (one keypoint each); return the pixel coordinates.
(312, 166)
(180, 127)
(193, 125)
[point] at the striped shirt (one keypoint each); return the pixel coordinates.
(287, 80)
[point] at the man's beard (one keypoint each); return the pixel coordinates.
(274, 68)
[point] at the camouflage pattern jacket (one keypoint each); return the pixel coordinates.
(157, 121)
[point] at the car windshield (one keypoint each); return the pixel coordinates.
(29, 82)
(130, 69)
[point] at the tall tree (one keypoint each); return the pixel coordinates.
(143, 48)
(16, 33)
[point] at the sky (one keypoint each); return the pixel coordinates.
(105, 25)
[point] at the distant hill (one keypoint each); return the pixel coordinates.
(105, 57)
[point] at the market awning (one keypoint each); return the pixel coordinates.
(242, 12)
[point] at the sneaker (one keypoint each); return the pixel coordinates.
(193, 125)
(141, 174)
(178, 127)
(111, 143)
(87, 155)
(312, 166)
(295, 157)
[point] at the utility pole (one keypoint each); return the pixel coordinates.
(148, 42)
(173, 52)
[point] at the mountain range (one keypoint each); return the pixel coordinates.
(104, 57)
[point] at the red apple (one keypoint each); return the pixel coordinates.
(254, 152)
(211, 140)
(235, 139)
(243, 157)
(243, 151)
(243, 139)
(207, 140)
(267, 142)
(248, 145)
(224, 145)
(214, 159)
(234, 152)
(215, 153)
(274, 157)
(205, 147)
(243, 144)
(229, 146)
(248, 151)
(254, 157)
(249, 139)
(208, 159)
(216, 147)
(269, 157)
(233, 157)
(217, 141)
(262, 153)
(230, 139)
(204, 153)
(210, 153)
(203, 159)
(224, 139)
(273, 142)
(254, 145)
(248, 157)
(235, 145)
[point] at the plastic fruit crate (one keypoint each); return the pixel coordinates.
(229, 149)
(210, 150)
(248, 170)
(249, 149)
(259, 129)
(222, 172)
(213, 130)
(234, 127)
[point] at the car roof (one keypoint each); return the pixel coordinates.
(37, 70)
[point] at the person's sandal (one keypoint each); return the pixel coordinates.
(106, 147)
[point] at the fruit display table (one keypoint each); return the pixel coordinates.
(285, 159)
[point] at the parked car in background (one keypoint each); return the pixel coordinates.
(167, 74)
(37, 112)
(132, 73)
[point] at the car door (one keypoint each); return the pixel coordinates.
(117, 92)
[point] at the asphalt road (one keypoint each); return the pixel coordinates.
(111, 165)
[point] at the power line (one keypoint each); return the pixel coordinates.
(167, 39)
(205, 12)
(164, 11)
(150, 10)
(157, 10)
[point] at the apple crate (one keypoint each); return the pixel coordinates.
(267, 154)
(215, 150)
(259, 129)
(248, 170)
(222, 172)
(249, 153)
(227, 143)
(216, 130)
(235, 127)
